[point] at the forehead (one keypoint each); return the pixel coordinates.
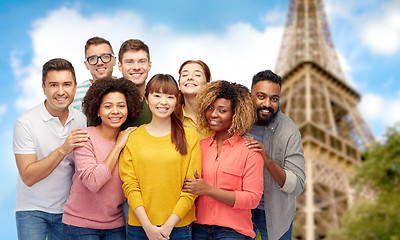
(191, 67)
(59, 76)
(98, 49)
(135, 55)
(114, 97)
(266, 87)
(222, 102)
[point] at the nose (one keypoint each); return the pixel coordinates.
(266, 102)
(136, 65)
(163, 100)
(214, 113)
(114, 109)
(61, 90)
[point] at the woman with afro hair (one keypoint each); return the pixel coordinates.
(94, 207)
(231, 183)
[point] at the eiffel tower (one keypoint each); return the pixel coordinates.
(317, 98)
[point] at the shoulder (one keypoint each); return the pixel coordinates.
(84, 84)
(76, 114)
(190, 132)
(138, 133)
(287, 124)
(31, 115)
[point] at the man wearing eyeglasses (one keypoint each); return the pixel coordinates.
(100, 61)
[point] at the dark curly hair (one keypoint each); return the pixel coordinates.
(243, 109)
(92, 100)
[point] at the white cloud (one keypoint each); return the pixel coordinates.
(377, 109)
(3, 109)
(346, 68)
(381, 33)
(235, 54)
(275, 16)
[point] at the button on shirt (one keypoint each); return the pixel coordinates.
(238, 169)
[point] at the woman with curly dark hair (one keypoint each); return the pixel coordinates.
(231, 183)
(94, 207)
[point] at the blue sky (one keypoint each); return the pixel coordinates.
(236, 38)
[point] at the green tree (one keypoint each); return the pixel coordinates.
(379, 218)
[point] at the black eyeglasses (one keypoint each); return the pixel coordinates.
(105, 58)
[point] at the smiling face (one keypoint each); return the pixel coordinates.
(135, 66)
(60, 90)
(100, 69)
(192, 78)
(265, 95)
(219, 115)
(113, 110)
(161, 105)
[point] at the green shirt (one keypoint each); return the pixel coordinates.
(144, 118)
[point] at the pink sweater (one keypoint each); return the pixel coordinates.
(96, 193)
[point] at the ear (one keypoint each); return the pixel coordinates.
(86, 64)
(150, 64)
(115, 59)
(120, 67)
(44, 89)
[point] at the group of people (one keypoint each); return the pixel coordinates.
(116, 158)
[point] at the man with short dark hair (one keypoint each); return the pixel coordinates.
(278, 139)
(100, 61)
(134, 64)
(43, 141)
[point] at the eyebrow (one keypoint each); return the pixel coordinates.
(194, 71)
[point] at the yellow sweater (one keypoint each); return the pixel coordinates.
(153, 172)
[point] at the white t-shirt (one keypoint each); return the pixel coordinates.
(38, 132)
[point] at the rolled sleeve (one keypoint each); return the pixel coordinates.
(252, 190)
(290, 182)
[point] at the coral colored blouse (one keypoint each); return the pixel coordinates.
(238, 169)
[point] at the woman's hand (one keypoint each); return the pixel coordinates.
(154, 233)
(196, 186)
(123, 136)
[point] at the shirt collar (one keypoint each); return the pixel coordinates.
(46, 116)
(183, 112)
(231, 141)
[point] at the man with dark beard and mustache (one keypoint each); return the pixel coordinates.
(277, 138)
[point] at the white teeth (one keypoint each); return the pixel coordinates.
(136, 74)
(265, 111)
(190, 85)
(114, 119)
(60, 99)
(100, 69)
(213, 122)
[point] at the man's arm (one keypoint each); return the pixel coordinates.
(277, 173)
(291, 178)
(33, 171)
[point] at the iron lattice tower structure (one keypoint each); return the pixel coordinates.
(317, 98)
